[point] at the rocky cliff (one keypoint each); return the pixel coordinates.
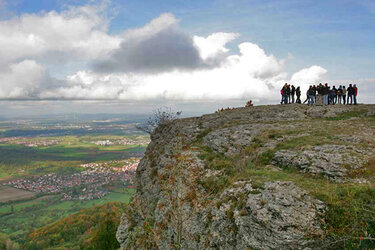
(265, 177)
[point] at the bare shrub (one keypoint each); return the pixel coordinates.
(249, 104)
(160, 116)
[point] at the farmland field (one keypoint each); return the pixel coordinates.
(8, 194)
(18, 219)
(52, 169)
(66, 156)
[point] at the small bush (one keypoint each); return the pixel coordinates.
(159, 117)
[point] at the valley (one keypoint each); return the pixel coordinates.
(52, 169)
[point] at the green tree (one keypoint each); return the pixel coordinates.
(105, 238)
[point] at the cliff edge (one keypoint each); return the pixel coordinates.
(264, 177)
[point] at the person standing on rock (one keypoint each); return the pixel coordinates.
(350, 94)
(334, 95)
(288, 91)
(307, 97)
(293, 92)
(298, 94)
(344, 94)
(319, 97)
(355, 94)
(284, 94)
(339, 94)
(325, 93)
(310, 94)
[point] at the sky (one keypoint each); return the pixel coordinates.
(112, 56)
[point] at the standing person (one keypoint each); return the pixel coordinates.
(284, 95)
(344, 94)
(307, 96)
(319, 88)
(298, 94)
(350, 91)
(288, 90)
(314, 91)
(355, 94)
(310, 94)
(334, 95)
(319, 96)
(325, 93)
(292, 92)
(330, 98)
(339, 94)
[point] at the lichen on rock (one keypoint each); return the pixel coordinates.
(266, 177)
(331, 161)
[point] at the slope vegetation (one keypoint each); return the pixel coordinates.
(91, 228)
(258, 177)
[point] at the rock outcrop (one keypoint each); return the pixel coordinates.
(245, 178)
(332, 161)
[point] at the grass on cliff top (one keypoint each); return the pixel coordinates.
(348, 115)
(350, 217)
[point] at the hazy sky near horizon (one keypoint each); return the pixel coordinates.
(132, 56)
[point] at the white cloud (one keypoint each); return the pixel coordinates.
(161, 46)
(250, 74)
(213, 45)
(78, 33)
(255, 60)
(308, 76)
(165, 21)
(21, 80)
(155, 62)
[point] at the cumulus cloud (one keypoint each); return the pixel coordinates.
(214, 45)
(259, 64)
(155, 62)
(77, 33)
(250, 74)
(22, 80)
(161, 46)
(309, 76)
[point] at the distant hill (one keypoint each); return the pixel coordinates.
(264, 177)
(91, 228)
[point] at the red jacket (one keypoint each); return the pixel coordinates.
(355, 91)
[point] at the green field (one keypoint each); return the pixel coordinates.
(36, 148)
(65, 157)
(19, 219)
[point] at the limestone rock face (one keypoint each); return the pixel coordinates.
(332, 161)
(277, 216)
(231, 140)
(236, 179)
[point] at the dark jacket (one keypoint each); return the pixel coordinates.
(298, 92)
(325, 90)
(314, 89)
(350, 90)
(310, 91)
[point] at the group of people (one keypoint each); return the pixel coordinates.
(320, 94)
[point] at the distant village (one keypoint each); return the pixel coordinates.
(86, 185)
(25, 141)
(124, 141)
